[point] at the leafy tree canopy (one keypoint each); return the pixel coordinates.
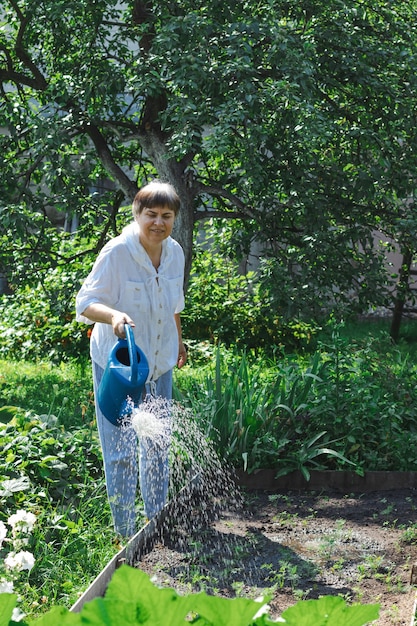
(295, 118)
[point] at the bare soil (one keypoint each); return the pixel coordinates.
(297, 545)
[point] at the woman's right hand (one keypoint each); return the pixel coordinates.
(98, 312)
(118, 321)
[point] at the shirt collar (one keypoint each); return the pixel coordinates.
(130, 235)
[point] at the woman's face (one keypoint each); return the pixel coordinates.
(155, 224)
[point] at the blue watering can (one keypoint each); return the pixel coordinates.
(123, 380)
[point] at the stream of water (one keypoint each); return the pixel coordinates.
(194, 466)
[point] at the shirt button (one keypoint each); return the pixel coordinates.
(159, 321)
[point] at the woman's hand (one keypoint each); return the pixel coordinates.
(182, 355)
(98, 312)
(118, 321)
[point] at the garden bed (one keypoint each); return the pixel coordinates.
(288, 544)
(299, 545)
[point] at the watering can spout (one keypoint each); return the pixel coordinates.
(123, 380)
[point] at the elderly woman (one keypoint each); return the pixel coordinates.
(137, 279)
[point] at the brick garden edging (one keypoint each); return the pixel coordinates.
(327, 480)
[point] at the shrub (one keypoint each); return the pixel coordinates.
(349, 400)
(222, 305)
(38, 323)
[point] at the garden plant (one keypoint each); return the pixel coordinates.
(132, 599)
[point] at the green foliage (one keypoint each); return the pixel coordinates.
(258, 417)
(132, 599)
(302, 283)
(310, 145)
(355, 397)
(43, 454)
(38, 323)
(350, 402)
(369, 398)
(47, 389)
(57, 475)
(222, 305)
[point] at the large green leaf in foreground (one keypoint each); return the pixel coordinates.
(131, 599)
(329, 611)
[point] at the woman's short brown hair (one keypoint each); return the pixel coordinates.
(156, 194)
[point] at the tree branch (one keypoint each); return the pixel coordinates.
(220, 192)
(37, 81)
(209, 214)
(142, 14)
(128, 186)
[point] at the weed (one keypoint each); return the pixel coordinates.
(329, 544)
(411, 503)
(238, 587)
(372, 566)
(409, 534)
(285, 519)
(301, 594)
(388, 510)
(287, 574)
(280, 497)
(359, 593)
(394, 614)
(338, 565)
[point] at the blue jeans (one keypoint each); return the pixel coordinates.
(120, 456)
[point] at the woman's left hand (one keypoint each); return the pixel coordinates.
(182, 356)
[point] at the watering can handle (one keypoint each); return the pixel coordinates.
(132, 354)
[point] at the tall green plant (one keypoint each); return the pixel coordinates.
(257, 420)
(355, 400)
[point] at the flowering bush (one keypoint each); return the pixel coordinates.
(18, 559)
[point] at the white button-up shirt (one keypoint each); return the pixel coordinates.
(124, 278)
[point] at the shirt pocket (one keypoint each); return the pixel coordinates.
(135, 299)
(173, 293)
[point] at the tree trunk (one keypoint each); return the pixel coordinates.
(184, 226)
(171, 171)
(401, 296)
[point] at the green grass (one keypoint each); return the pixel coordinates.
(65, 390)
